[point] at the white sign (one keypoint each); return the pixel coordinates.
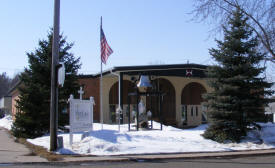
(81, 115)
(61, 74)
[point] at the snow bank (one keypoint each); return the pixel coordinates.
(170, 140)
(6, 122)
(268, 133)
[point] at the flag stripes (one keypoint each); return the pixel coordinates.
(106, 50)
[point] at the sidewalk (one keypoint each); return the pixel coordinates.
(12, 152)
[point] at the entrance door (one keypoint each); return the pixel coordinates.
(128, 87)
(191, 99)
(168, 103)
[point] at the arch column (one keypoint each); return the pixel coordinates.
(178, 105)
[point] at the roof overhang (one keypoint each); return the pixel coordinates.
(160, 70)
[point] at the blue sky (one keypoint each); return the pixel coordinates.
(140, 32)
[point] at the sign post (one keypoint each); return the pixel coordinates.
(54, 89)
(81, 114)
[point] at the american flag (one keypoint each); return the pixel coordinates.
(106, 50)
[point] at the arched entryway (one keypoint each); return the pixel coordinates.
(191, 99)
(168, 103)
(128, 87)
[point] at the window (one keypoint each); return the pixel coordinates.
(197, 112)
(192, 111)
(184, 113)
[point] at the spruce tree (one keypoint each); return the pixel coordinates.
(33, 118)
(239, 88)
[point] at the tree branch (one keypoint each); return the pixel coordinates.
(266, 41)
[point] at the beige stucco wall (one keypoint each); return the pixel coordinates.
(178, 82)
(15, 96)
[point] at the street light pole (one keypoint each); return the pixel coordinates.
(54, 88)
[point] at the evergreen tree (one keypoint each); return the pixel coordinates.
(33, 118)
(238, 98)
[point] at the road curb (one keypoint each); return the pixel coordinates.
(200, 155)
(145, 158)
(151, 157)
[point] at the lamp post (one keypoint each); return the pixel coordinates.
(54, 88)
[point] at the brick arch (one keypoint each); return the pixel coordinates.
(128, 87)
(192, 94)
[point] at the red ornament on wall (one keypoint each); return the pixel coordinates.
(189, 72)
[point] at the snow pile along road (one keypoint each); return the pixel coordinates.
(170, 140)
(6, 122)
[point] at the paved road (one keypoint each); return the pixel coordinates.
(245, 162)
(14, 152)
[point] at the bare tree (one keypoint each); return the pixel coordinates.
(261, 14)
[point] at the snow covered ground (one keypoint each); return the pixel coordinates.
(170, 140)
(6, 122)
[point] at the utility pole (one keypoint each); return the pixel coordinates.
(54, 88)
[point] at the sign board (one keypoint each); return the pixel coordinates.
(61, 74)
(81, 115)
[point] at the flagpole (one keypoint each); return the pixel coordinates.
(101, 103)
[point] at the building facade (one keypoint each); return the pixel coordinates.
(182, 87)
(14, 92)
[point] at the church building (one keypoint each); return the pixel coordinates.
(178, 101)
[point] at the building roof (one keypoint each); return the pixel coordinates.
(14, 87)
(157, 70)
